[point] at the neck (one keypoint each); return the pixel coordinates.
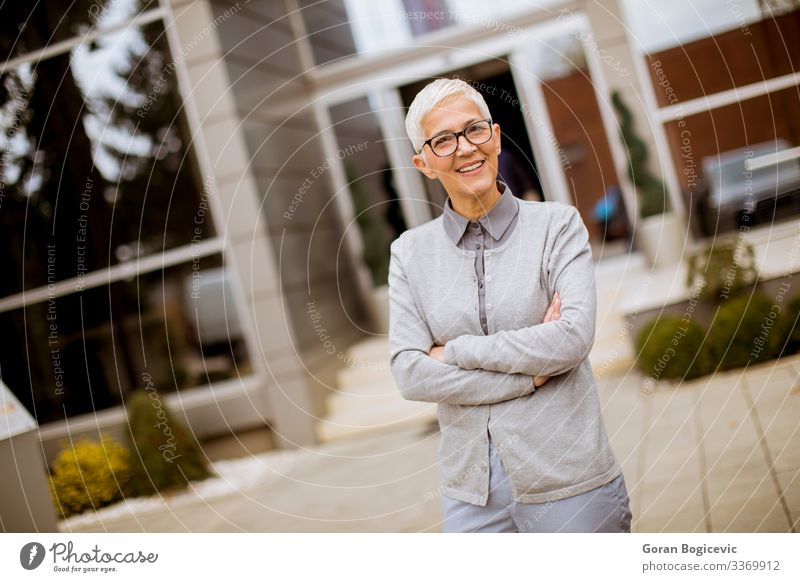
(472, 206)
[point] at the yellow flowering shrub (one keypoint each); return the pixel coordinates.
(89, 475)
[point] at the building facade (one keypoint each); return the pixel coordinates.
(198, 196)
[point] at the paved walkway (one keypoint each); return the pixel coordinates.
(719, 455)
(713, 455)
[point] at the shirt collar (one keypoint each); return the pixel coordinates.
(496, 222)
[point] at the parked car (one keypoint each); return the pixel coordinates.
(764, 195)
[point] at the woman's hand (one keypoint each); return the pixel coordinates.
(437, 353)
(553, 313)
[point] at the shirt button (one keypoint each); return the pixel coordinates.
(475, 225)
(477, 245)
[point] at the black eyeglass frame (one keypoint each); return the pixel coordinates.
(457, 135)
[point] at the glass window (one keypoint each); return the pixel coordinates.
(84, 352)
(97, 170)
(377, 26)
(29, 26)
(96, 160)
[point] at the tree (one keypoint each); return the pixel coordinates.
(652, 191)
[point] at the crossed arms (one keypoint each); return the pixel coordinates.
(484, 369)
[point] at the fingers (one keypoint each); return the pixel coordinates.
(437, 353)
(539, 380)
(554, 310)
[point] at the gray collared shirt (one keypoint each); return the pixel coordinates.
(487, 232)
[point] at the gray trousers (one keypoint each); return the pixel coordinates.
(604, 509)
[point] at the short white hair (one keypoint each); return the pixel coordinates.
(432, 95)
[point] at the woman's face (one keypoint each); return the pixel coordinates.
(453, 116)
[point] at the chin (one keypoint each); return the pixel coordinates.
(478, 188)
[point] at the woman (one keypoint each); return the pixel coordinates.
(492, 316)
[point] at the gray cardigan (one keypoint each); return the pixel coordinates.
(551, 440)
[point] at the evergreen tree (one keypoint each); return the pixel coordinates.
(163, 453)
(652, 191)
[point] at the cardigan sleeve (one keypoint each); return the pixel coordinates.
(555, 347)
(421, 377)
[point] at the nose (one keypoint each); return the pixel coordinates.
(467, 146)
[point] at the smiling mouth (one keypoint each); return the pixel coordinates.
(471, 167)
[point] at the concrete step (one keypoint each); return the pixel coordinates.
(382, 413)
(367, 398)
(369, 353)
(365, 395)
(612, 357)
(347, 377)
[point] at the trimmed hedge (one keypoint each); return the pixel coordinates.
(786, 336)
(671, 347)
(742, 331)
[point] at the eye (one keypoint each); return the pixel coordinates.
(478, 131)
(443, 141)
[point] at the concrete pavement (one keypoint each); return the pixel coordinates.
(720, 454)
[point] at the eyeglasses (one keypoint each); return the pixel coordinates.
(446, 144)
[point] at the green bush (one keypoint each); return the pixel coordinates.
(89, 475)
(721, 269)
(740, 332)
(163, 453)
(671, 347)
(786, 336)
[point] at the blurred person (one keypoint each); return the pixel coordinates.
(609, 215)
(492, 316)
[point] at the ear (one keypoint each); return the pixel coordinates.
(422, 166)
(496, 137)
